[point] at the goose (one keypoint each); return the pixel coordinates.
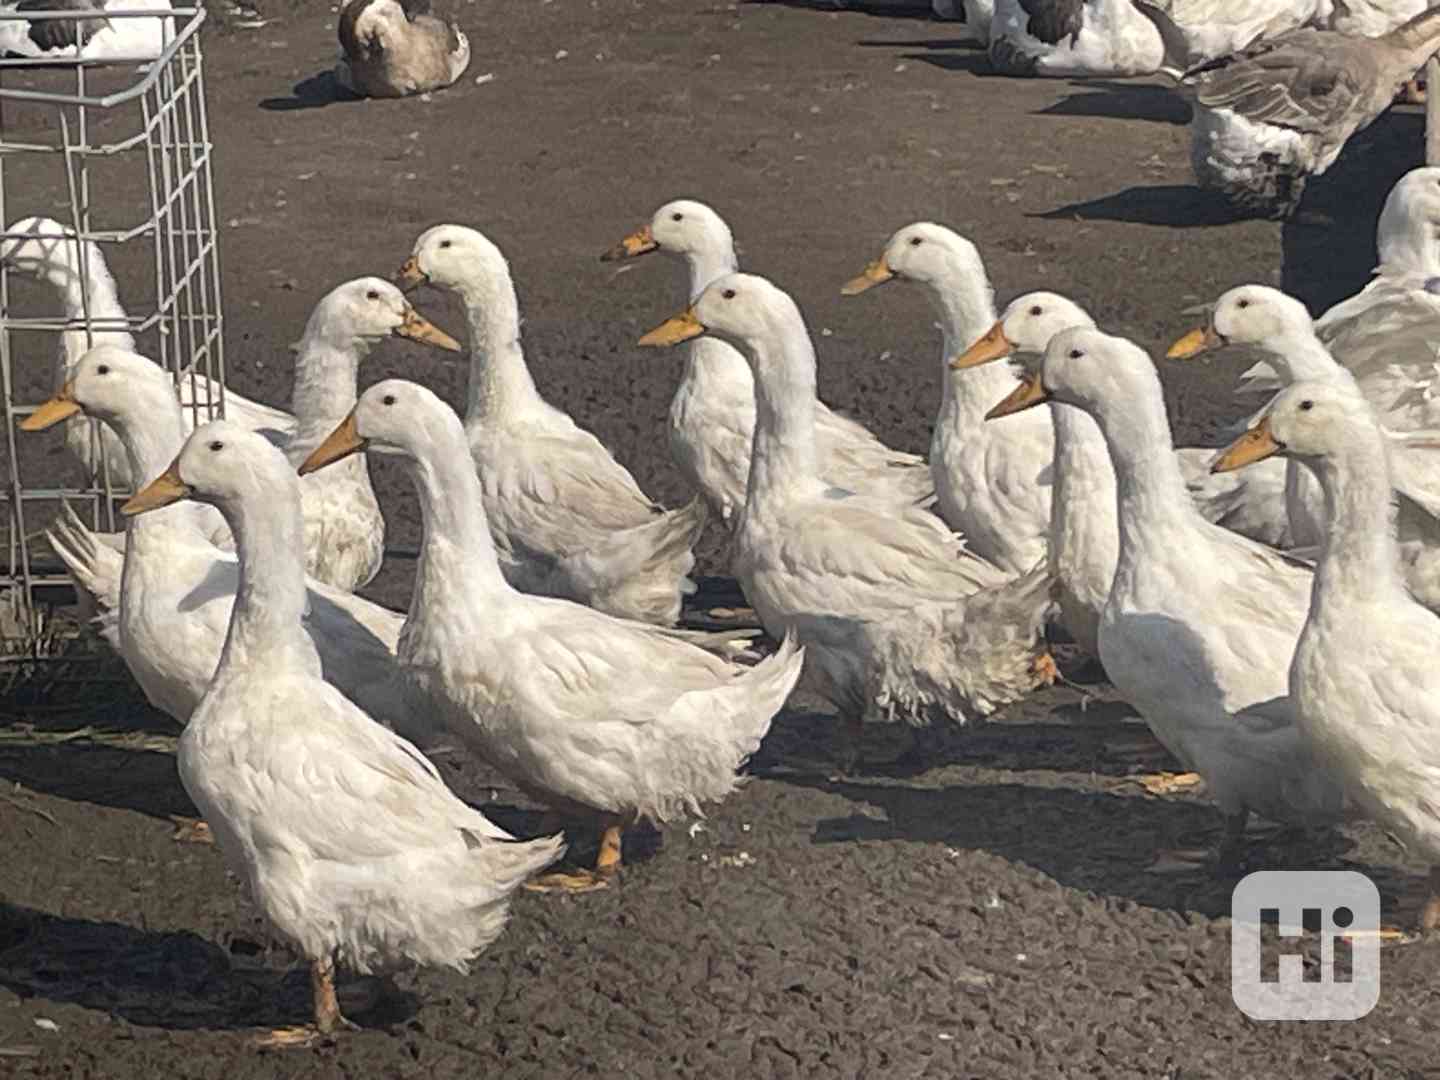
(1074, 38)
(609, 719)
(47, 250)
(167, 605)
(1386, 334)
(900, 622)
(1200, 623)
(1368, 702)
(992, 482)
(394, 48)
(568, 519)
(1279, 112)
(351, 845)
(1280, 325)
(99, 37)
(712, 416)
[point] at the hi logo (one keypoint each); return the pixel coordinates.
(1342, 908)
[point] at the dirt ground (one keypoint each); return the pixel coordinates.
(1000, 911)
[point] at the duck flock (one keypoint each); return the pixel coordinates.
(1267, 607)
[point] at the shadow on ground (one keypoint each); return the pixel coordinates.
(313, 93)
(177, 981)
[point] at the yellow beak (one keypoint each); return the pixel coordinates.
(876, 273)
(673, 331)
(339, 444)
(639, 242)
(1194, 343)
(1027, 395)
(410, 274)
(418, 328)
(993, 346)
(165, 489)
(1257, 444)
(60, 407)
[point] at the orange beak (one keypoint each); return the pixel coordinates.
(418, 328)
(993, 346)
(338, 445)
(1194, 343)
(875, 273)
(640, 242)
(165, 489)
(1027, 395)
(410, 275)
(673, 331)
(60, 407)
(1257, 444)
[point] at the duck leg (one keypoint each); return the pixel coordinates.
(607, 862)
(1413, 93)
(1430, 913)
(191, 831)
(326, 1007)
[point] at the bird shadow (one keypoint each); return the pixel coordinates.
(1323, 266)
(316, 92)
(176, 980)
(1122, 101)
(1103, 843)
(1095, 738)
(1176, 206)
(890, 9)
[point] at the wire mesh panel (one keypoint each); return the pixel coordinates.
(109, 236)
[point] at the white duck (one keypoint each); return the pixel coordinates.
(167, 605)
(712, 416)
(104, 38)
(344, 529)
(973, 17)
(352, 846)
(394, 48)
(567, 518)
(899, 620)
(1387, 335)
(1364, 681)
(1200, 624)
(610, 719)
(1270, 117)
(1074, 37)
(48, 250)
(1279, 324)
(992, 481)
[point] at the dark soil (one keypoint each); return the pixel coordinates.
(998, 912)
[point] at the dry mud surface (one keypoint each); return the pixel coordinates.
(997, 912)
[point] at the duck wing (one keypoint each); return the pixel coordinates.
(1300, 81)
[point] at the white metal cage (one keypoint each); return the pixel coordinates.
(115, 151)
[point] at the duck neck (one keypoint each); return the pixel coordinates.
(1152, 497)
(96, 288)
(153, 436)
(965, 304)
(500, 383)
(1358, 555)
(325, 388)
(265, 626)
(456, 545)
(1296, 356)
(783, 453)
(708, 263)
(1084, 497)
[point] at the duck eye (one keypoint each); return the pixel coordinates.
(389, 399)
(446, 243)
(373, 294)
(103, 369)
(1243, 304)
(728, 294)
(677, 217)
(1306, 405)
(1036, 310)
(216, 446)
(1075, 354)
(916, 241)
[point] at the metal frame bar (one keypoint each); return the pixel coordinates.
(165, 119)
